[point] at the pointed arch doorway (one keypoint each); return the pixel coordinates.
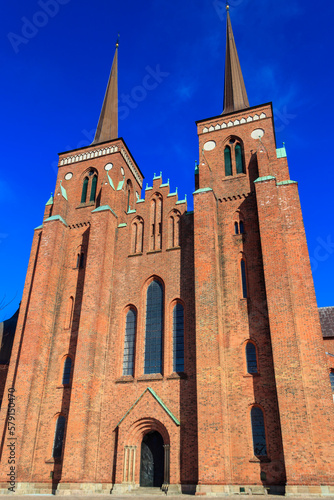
(152, 460)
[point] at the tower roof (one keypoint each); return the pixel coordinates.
(235, 95)
(107, 128)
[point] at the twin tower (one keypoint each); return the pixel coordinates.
(158, 347)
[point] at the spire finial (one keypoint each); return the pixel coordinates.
(117, 41)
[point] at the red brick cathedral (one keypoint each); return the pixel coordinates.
(158, 347)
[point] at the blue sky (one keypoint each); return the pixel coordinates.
(56, 57)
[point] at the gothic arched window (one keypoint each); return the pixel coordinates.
(228, 161)
(251, 358)
(59, 437)
(242, 227)
(259, 433)
(236, 228)
(67, 371)
(178, 338)
(239, 159)
(154, 328)
(84, 190)
(129, 342)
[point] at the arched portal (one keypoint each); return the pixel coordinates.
(152, 460)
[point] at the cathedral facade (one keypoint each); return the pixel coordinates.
(158, 347)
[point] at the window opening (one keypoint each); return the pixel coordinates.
(84, 190)
(258, 430)
(239, 159)
(243, 279)
(228, 161)
(251, 358)
(129, 343)
(67, 371)
(178, 338)
(59, 437)
(154, 328)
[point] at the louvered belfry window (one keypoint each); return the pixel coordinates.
(129, 343)
(154, 328)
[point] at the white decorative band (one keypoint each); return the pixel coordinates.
(88, 156)
(236, 122)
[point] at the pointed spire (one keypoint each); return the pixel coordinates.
(235, 95)
(107, 128)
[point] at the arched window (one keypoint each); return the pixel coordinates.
(243, 278)
(84, 190)
(93, 188)
(59, 437)
(331, 376)
(228, 161)
(129, 342)
(259, 433)
(251, 358)
(242, 227)
(67, 371)
(154, 328)
(236, 228)
(178, 338)
(239, 159)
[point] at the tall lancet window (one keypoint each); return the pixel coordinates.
(251, 358)
(243, 279)
(84, 190)
(239, 161)
(154, 328)
(228, 161)
(67, 371)
(129, 343)
(93, 188)
(178, 338)
(259, 433)
(59, 437)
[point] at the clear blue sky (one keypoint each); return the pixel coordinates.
(54, 77)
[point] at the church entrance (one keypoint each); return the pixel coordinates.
(152, 460)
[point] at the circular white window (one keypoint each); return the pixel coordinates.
(209, 146)
(108, 166)
(258, 133)
(68, 176)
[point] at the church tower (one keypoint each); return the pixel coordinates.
(166, 348)
(261, 368)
